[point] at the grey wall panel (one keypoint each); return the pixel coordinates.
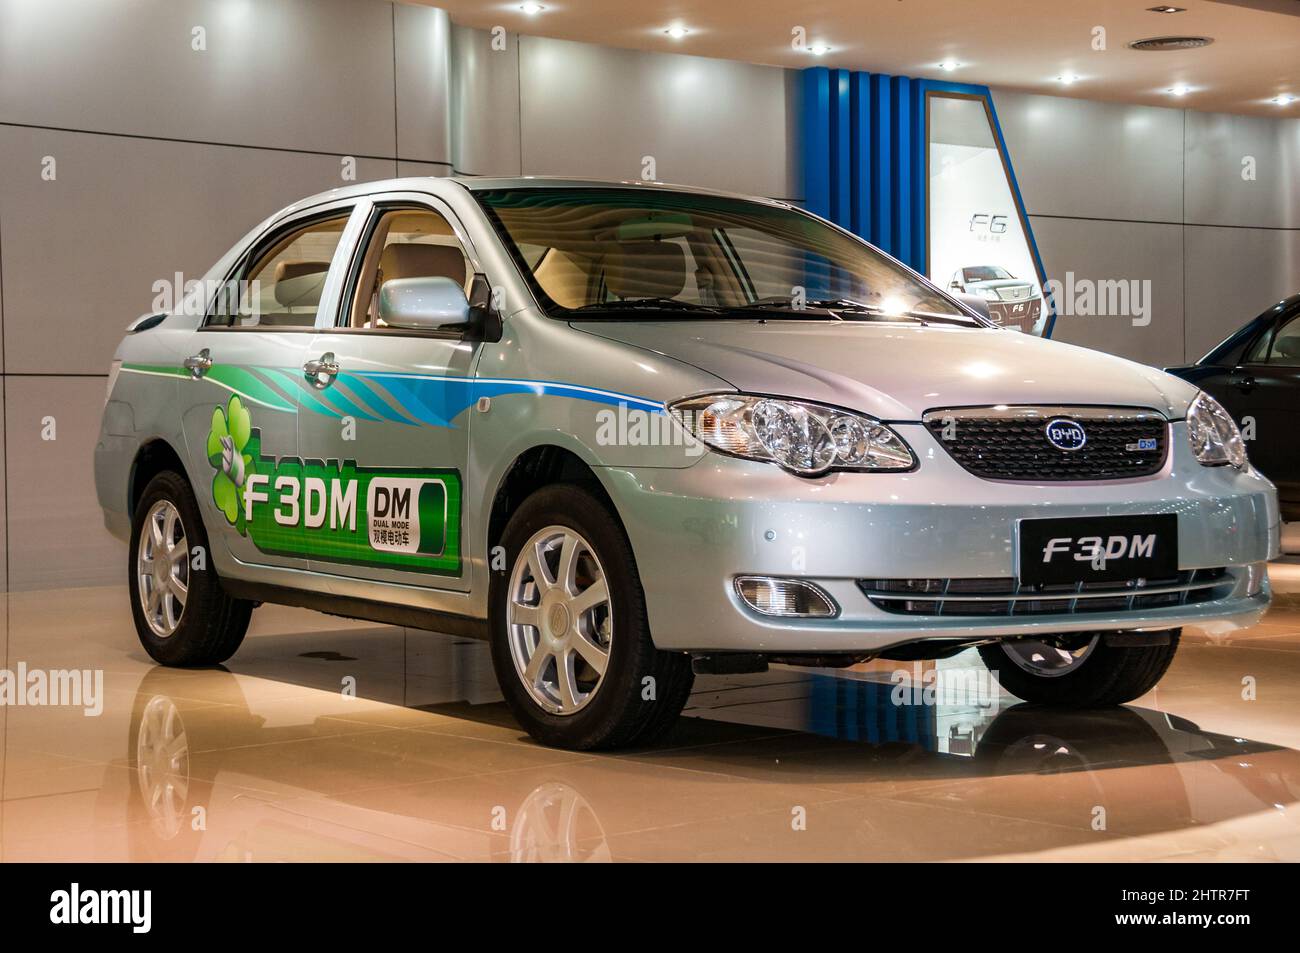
(485, 103)
(596, 111)
(1094, 160)
(422, 52)
(435, 169)
(1090, 251)
(1233, 274)
(57, 534)
(1221, 148)
(81, 253)
(302, 74)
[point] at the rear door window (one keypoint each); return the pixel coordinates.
(281, 283)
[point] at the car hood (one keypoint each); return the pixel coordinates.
(900, 371)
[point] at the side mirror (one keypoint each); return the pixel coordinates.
(423, 304)
(976, 303)
(954, 285)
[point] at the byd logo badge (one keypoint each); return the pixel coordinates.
(1066, 435)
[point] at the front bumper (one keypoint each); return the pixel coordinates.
(694, 530)
(1021, 315)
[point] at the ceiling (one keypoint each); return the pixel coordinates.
(1019, 44)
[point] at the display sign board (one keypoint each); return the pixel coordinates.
(977, 240)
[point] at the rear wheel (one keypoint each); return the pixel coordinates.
(182, 614)
(570, 640)
(1078, 671)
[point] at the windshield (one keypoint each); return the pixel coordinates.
(604, 252)
(986, 273)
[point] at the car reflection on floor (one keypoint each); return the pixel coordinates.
(1124, 772)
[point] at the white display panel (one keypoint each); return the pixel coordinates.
(977, 240)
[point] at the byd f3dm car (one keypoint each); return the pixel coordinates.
(628, 433)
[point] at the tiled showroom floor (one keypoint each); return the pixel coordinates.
(270, 760)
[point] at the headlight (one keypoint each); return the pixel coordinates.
(1213, 433)
(807, 439)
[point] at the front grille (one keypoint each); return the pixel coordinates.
(1014, 293)
(1011, 443)
(1003, 596)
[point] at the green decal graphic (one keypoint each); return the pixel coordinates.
(336, 511)
(227, 439)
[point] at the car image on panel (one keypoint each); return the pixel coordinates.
(1012, 302)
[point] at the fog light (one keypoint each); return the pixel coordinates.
(786, 598)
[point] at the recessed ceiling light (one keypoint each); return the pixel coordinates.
(531, 8)
(1179, 90)
(1166, 9)
(1067, 78)
(677, 32)
(949, 65)
(1161, 44)
(1284, 99)
(819, 49)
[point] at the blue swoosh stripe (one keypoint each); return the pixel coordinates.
(366, 391)
(436, 401)
(569, 390)
(492, 387)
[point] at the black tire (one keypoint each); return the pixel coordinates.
(212, 624)
(1109, 675)
(618, 715)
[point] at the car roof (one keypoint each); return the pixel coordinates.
(1227, 349)
(483, 183)
(438, 184)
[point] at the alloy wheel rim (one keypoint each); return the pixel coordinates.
(559, 620)
(163, 568)
(1048, 659)
(556, 824)
(162, 754)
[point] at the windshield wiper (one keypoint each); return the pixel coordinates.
(846, 309)
(784, 309)
(843, 304)
(834, 305)
(645, 304)
(819, 309)
(851, 307)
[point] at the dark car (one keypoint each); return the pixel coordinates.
(1255, 374)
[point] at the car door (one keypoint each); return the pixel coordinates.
(241, 385)
(384, 429)
(1264, 390)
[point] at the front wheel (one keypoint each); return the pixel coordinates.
(182, 614)
(1079, 671)
(570, 640)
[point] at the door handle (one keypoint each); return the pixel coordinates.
(198, 364)
(1244, 383)
(322, 367)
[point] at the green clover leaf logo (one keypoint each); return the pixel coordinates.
(227, 439)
